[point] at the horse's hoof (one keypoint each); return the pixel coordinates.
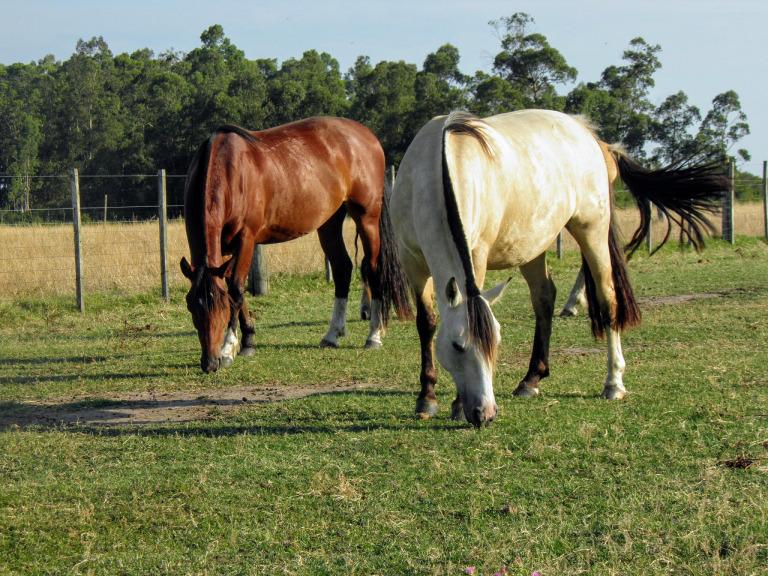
(226, 361)
(569, 312)
(365, 313)
(613, 393)
(372, 344)
(523, 391)
(328, 344)
(247, 351)
(425, 409)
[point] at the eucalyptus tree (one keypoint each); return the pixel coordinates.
(531, 66)
(383, 97)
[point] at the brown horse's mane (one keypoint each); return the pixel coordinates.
(207, 293)
(478, 312)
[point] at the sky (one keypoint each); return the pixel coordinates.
(708, 46)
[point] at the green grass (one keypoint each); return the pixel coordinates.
(351, 483)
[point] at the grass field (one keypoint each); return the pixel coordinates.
(672, 480)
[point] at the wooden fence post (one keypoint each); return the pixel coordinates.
(74, 184)
(765, 199)
(162, 216)
(728, 232)
(258, 278)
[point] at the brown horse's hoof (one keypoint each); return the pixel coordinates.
(425, 408)
(247, 351)
(523, 391)
(328, 344)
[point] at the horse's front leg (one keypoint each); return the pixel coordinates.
(239, 307)
(543, 294)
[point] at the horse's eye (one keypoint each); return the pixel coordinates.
(458, 347)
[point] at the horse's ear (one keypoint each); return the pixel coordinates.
(186, 269)
(224, 269)
(493, 295)
(452, 293)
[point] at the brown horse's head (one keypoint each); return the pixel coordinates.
(209, 303)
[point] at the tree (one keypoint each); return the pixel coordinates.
(618, 104)
(20, 133)
(723, 126)
(671, 128)
(310, 86)
(440, 88)
(530, 65)
(383, 97)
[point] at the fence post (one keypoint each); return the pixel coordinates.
(728, 232)
(162, 209)
(765, 199)
(258, 278)
(74, 184)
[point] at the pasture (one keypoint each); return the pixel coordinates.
(207, 475)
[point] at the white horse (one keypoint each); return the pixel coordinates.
(475, 194)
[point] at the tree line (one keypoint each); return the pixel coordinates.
(134, 113)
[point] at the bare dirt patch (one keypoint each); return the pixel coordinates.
(150, 408)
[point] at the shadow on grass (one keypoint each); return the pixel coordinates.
(73, 377)
(151, 414)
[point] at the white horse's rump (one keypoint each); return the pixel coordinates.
(473, 195)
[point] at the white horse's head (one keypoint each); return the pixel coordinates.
(467, 342)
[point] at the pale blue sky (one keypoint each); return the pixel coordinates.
(708, 46)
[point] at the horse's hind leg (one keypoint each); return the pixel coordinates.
(543, 293)
(576, 298)
(602, 299)
(332, 243)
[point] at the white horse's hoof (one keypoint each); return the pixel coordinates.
(523, 391)
(226, 361)
(373, 344)
(613, 393)
(569, 312)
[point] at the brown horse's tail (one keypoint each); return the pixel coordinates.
(683, 192)
(393, 281)
(627, 312)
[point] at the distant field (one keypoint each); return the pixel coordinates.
(38, 260)
(240, 480)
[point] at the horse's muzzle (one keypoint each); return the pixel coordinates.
(209, 364)
(481, 415)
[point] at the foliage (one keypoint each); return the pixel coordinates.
(135, 113)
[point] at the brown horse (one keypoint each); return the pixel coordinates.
(247, 188)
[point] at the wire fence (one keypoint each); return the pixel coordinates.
(136, 247)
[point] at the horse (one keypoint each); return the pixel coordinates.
(475, 194)
(246, 188)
